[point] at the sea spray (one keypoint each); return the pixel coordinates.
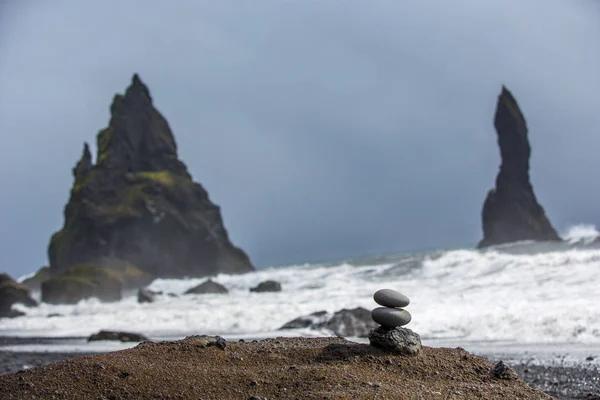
(513, 293)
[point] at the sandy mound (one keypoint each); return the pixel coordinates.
(282, 368)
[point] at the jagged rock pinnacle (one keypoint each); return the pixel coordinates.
(511, 212)
(138, 205)
(84, 164)
(138, 137)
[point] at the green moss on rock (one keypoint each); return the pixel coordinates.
(165, 178)
(135, 278)
(83, 281)
(12, 292)
(137, 203)
(34, 283)
(104, 139)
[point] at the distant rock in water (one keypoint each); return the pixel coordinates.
(145, 295)
(208, 287)
(117, 336)
(267, 286)
(356, 322)
(511, 212)
(83, 281)
(316, 319)
(138, 206)
(12, 292)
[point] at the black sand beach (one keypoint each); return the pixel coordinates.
(565, 382)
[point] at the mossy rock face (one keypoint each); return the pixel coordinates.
(12, 292)
(34, 283)
(139, 204)
(81, 282)
(135, 278)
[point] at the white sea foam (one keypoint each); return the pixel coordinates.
(584, 233)
(520, 296)
(27, 276)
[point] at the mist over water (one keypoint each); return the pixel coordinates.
(524, 293)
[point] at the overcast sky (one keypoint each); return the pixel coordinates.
(324, 129)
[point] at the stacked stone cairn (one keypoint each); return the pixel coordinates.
(392, 317)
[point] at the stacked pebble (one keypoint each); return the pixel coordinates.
(391, 315)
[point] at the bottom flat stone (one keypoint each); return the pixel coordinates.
(396, 340)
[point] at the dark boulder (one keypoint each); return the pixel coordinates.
(355, 322)
(138, 205)
(135, 278)
(316, 319)
(12, 292)
(83, 281)
(511, 211)
(15, 314)
(207, 341)
(267, 286)
(146, 296)
(501, 370)
(117, 336)
(396, 340)
(208, 287)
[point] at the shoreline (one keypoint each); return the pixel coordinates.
(568, 381)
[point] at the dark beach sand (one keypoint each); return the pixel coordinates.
(281, 368)
(564, 383)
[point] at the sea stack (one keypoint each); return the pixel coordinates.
(511, 212)
(137, 208)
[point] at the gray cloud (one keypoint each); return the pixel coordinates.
(323, 129)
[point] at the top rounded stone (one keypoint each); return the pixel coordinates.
(390, 298)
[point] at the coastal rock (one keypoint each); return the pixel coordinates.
(117, 336)
(208, 287)
(390, 317)
(138, 206)
(34, 283)
(397, 340)
(390, 298)
(15, 314)
(355, 322)
(503, 371)
(267, 286)
(12, 292)
(135, 278)
(83, 281)
(313, 320)
(511, 211)
(146, 296)
(207, 341)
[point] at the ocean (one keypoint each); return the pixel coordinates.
(519, 299)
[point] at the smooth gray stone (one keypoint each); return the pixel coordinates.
(390, 298)
(397, 340)
(390, 317)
